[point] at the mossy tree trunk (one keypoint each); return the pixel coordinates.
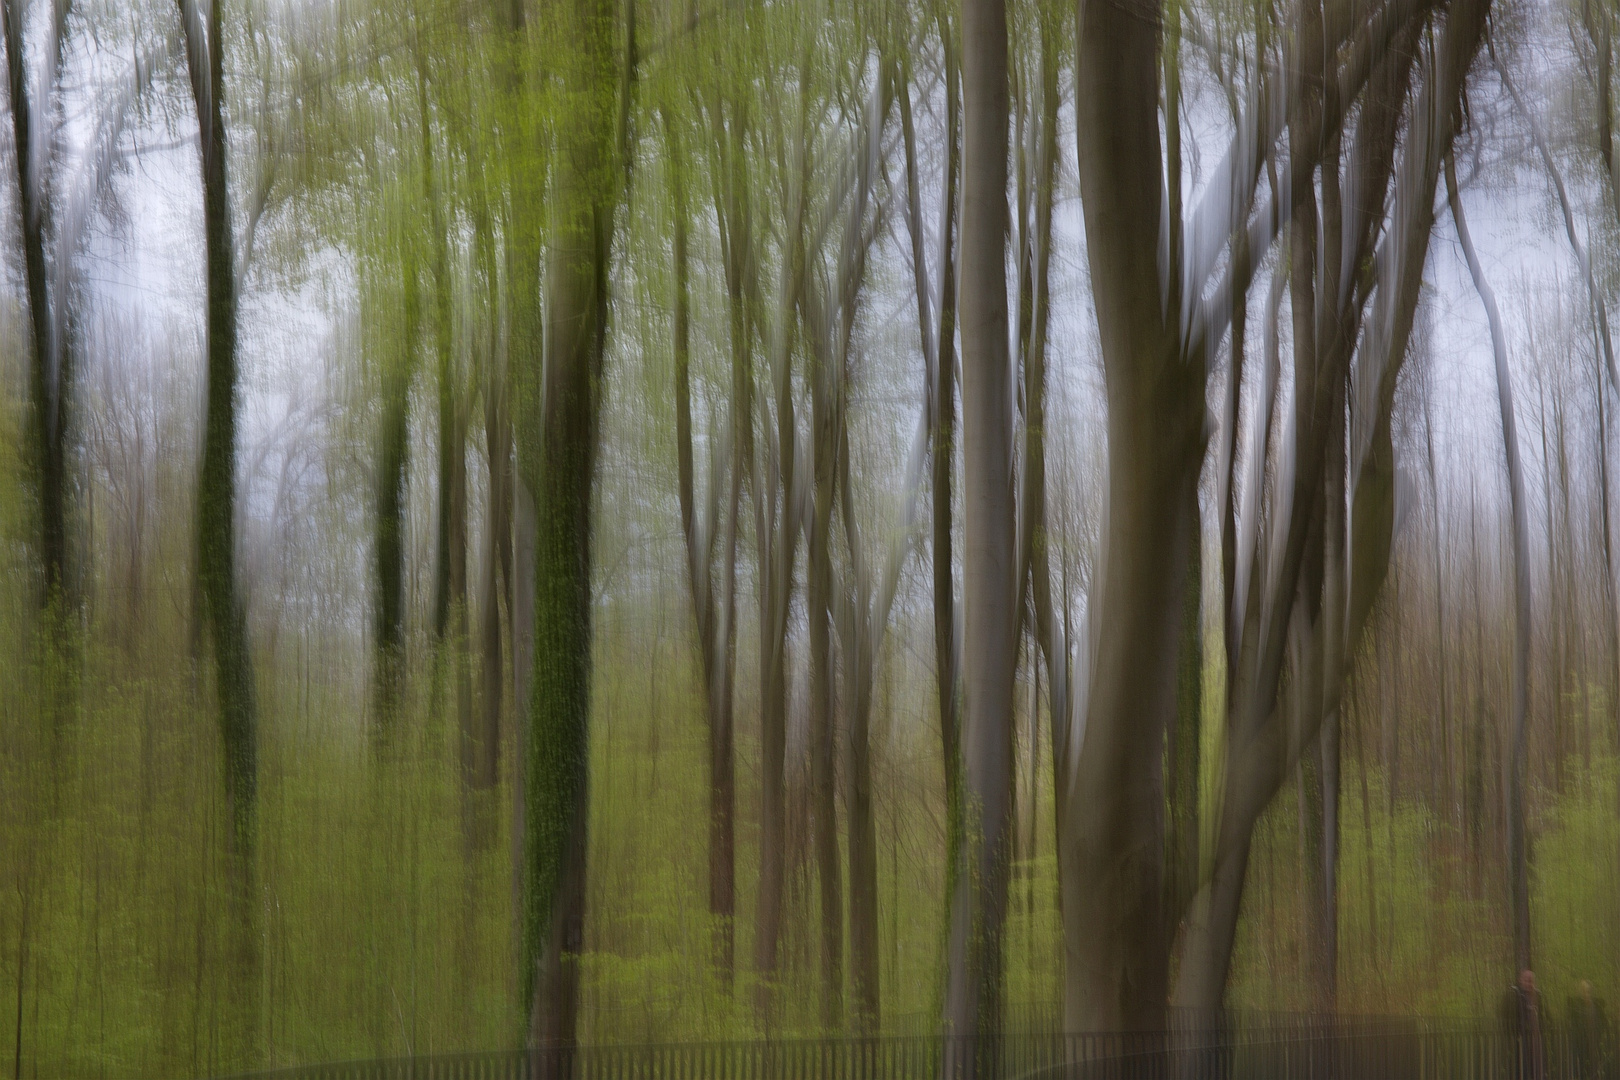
(558, 461)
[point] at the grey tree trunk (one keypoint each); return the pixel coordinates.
(1518, 855)
(973, 994)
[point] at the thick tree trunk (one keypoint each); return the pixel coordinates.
(973, 996)
(1111, 860)
(559, 464)
(47, 374)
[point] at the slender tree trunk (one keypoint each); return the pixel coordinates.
(714, 621)
(216, 512)
(939, 352)
(450, 519)
(497, 557)
(732, 211)
(393, 467)
(823, 738)
(778, 502)
(1518, 856)
(973, 997)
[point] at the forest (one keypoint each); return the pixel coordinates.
(552, 523)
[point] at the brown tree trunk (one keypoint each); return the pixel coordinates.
(1111, 860)
(47, 374)
(823, 739)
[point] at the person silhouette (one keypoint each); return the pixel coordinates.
(1590, 1035)
(1521, 1024)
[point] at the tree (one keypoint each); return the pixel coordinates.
(558, 461)
(973, 995)
(1113, 823)
(216, 498)
(32, 126)
(1518, 857)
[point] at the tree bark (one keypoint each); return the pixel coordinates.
(559, 464)
(973, 996)
(1111, 860)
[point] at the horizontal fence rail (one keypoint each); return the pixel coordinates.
(1284, 1049)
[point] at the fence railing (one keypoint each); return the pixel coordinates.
(1301, 1050)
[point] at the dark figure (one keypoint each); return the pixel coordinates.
(1591, 1038)
(1521, 1023)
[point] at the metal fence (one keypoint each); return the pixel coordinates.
(1333, 1050)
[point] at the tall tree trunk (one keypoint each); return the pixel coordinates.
(732, 211)
(559, 464)
(1518, 856)
(714, 619)
(393, 467)
(778, 510)
(1110, 864)
(216, 512)
(47, 377)
(497, 557)
(973, 996)
(939, 352)
(450, 520)
(823, 737)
